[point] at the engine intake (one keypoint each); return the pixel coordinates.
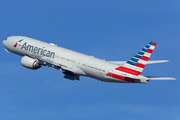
(30, 63)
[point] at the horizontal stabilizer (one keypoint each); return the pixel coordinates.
(161, 78)
(157, 61)
(148, 62)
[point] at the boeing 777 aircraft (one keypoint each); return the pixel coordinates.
(36, 53)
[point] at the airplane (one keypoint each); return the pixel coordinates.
(36, 54)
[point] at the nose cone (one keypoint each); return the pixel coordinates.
(3, 43)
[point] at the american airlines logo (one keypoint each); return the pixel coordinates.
(15, 45)
(39, 51)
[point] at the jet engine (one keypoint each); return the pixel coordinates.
(30, 63)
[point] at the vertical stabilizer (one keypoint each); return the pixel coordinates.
(136, 64)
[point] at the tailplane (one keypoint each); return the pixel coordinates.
(160, 78)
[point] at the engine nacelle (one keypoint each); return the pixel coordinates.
(30, 63)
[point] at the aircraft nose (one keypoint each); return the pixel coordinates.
(5, 42)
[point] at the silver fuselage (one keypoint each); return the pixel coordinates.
(52, 55)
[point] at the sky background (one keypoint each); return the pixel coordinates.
(113, 30)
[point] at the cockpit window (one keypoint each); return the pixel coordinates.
(6, 39)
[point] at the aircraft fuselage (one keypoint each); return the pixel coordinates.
(71, 62)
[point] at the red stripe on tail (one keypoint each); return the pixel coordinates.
(154, 44)
(140, 65)
(127, 70)
(144, 58)
(149, 51)
(120, 77)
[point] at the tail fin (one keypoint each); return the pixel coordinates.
(136, 64)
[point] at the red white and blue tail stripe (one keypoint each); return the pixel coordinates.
(136, 64)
